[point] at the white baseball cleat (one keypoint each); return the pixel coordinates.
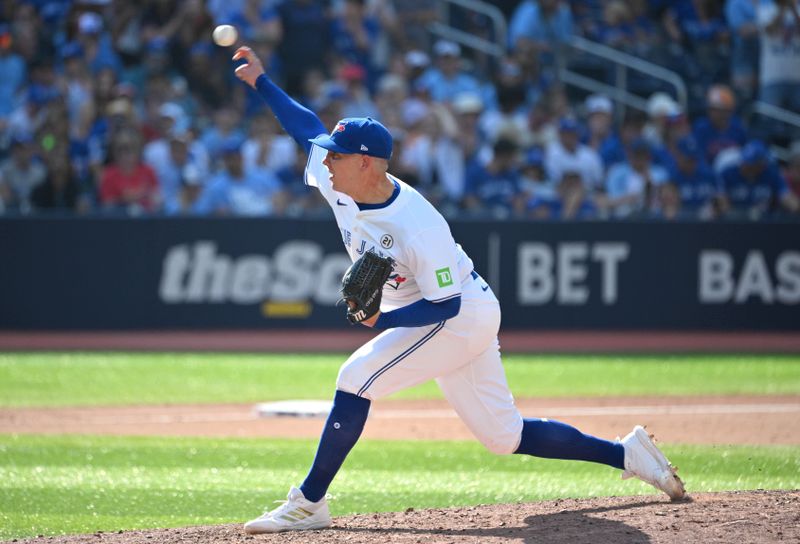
(645, 461)
(296, 514)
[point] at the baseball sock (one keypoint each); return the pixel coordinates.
(342, 429)
(556, 440)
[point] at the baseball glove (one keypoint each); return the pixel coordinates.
(362, 285)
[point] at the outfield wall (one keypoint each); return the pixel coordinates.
(234, 273)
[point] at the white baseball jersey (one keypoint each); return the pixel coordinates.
(429, 264)
(462, 354)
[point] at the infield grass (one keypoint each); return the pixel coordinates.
(75, 379)
(81, 484)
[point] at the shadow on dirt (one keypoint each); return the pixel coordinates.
(568, 527)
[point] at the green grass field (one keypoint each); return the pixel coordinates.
(58, 379)
(58, 485)
(75, 484)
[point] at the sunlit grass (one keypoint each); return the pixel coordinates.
(64, 379)
(81, 484)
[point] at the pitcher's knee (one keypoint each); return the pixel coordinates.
(349, 380)
(502, 445)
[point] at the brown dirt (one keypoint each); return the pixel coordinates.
(526, 341)
(693, 420)
(746, 517)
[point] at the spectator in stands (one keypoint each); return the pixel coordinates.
(721, 128)
(571, 201)
(699, 26)
(741, 18)
(353, 33)
(534, 183)
(617, 29)
(21, 172)
(267, 147)
(541, 126)
(660, 108)
(356, 100)
(631, 128)
(568, 154)
(12, 66)
(207, 81)
(694, 179)
(59, 191)
(447, 79)
(792, 170)
(224, 133)
(78, 85)
(127, 183)
(668, 203)
(233, 191)
(96, 44)
(468, 108)
(510, 113)
(632, 186)
(306, 41)
(296, 198)
(537, 82)
(494, 188)
(429, 153)
(540, 28)
(392, 90)
(414, 18)
(179, 162)
(755, 187)
(779, 74)
(415, 64)
(600, 123)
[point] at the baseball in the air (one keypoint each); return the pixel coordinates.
(225, 35)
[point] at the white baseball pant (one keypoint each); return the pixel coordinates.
(462, 354)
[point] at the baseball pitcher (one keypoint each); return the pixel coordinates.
(439, 318)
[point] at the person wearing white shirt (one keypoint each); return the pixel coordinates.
(632, 186)
(567, 154)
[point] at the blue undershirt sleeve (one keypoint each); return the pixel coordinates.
(298, 121)
(421, 313)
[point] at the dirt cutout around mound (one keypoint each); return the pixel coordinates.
(743, 517)
(756, 420)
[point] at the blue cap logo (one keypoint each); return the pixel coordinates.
(362, 135)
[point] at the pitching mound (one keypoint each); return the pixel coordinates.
(753, 517)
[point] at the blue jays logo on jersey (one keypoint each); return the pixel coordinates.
(395, 280)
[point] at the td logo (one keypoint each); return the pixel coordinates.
(444, 277)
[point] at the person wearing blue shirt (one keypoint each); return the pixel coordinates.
(14, 71)
(446, 80)
(693, 178)
(494, 187)
(754, 187)
(541, 26)
(741, 18)
(236, 192)
(721, 128)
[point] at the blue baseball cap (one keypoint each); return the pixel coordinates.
(568, 124)
(754, 152)
(362, 135)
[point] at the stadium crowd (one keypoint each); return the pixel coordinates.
(111, 106)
